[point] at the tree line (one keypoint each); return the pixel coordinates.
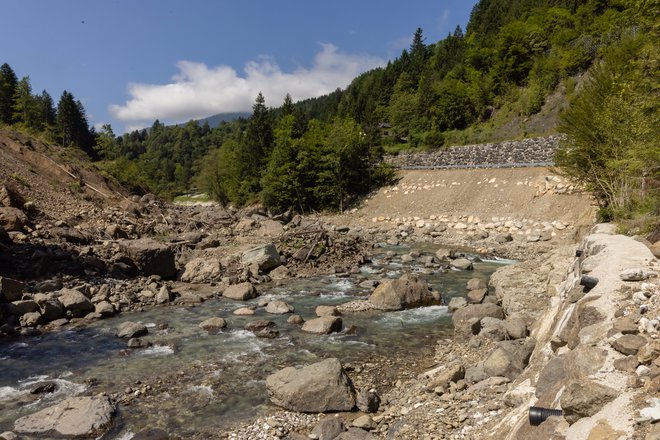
(66, 124)
(321, 153)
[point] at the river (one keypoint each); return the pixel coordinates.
(217, 380)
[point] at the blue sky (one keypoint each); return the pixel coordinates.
(133, 61)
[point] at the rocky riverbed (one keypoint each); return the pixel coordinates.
(88, 278)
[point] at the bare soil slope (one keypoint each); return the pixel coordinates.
(60, 182)
(533, 193)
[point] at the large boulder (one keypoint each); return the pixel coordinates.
(70, 235)
(258, 325)
(266, 257)
(270, 228)
(320, 387)
(202, 270)
(629, 344)
(130, 329)
(323, 325)
(326, 311)
(31, 319)
(151, 256)
(279, 307)
(406, 292)
(22, 307)
(213, 325)
(105, 309)
(52, 309)
(461, 264)
(509, 359)
(75, 302)
(116, 232)
(584, 398)
(10, 289)
(240, 292)
(12, 219)
(10, 196)
(329, 428)
(456, 303)
(75, 417)
(465, 319)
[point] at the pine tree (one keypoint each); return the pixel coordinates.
(8, 83)
(25, 106)
(106, 143)
(260, 131)
(287, 106)
(46, 110)
(72, 124)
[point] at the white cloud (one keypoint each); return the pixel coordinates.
(198, 90)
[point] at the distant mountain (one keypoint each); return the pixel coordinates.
(215, 120)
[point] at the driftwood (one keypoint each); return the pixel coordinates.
(79, 179)
(311, 248)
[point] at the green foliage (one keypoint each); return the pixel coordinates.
(612, 145)
(8, 83)
(452, 107)
(18, 178)
(26, 111)
(472, 86)
(106, 143)
(280, 183)
(72, 126)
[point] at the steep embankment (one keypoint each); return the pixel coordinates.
(595, 354)
(54, 178)
(487, 187)
(537, 194)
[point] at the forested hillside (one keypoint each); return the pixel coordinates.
(321, 153)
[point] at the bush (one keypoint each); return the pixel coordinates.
(612, 145)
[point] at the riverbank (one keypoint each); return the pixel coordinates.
(596, 353)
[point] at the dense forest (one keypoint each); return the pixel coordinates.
(323, 152)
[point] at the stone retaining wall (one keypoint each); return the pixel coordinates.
(528, 152)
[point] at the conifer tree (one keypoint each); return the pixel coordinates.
(25, 106)
(46, 110)
(8, 82)
(72, 124)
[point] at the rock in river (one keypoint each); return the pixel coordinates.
(406, 292)
(319, 387)
(75, 302)
(214, 324)
(323, 325)
(130, 329)
(76, 417)
(240, 292)
(279, 307)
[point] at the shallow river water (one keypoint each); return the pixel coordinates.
(232, 364)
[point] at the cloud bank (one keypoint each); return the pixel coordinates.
(198, 90)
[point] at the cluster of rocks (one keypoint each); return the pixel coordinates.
(593, 353)
(75, 417)
(324, 387)
(525, 152)
(495, 231)
(549, 184)
(598, 351)
(110, 260)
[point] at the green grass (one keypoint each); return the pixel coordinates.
(17, 178)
